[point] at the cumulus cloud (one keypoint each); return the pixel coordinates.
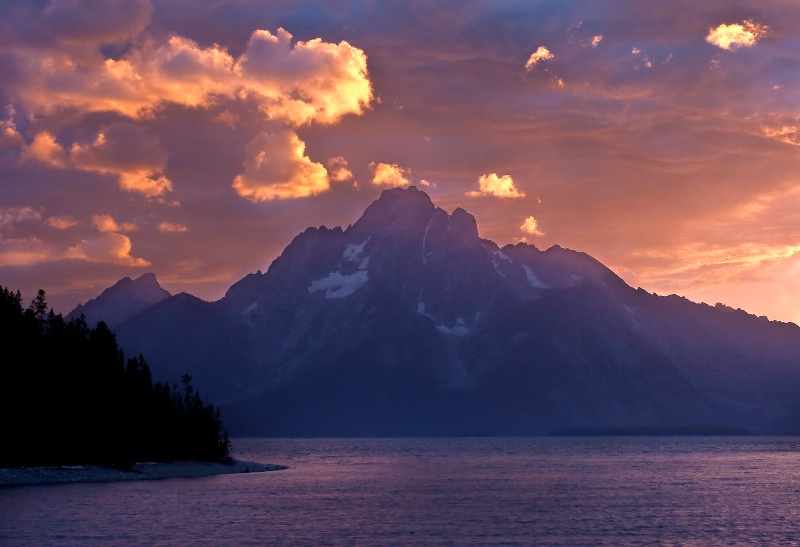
(531, 227)
(541, 54)
(493, 185)
(338, 170)
(127, 151)
(172, 228)
(44, 149)
(276, 167)
(9, 136)
(596, 39)
(389, 174)
(70, 74)
(107, 224)
(736, 35)
(109, 247)
(311, 81)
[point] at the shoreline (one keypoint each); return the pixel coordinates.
(35, 476)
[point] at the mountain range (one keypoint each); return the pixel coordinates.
(409, 323)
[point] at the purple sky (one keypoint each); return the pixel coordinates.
(195, 139)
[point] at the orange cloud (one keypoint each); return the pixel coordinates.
(736, 35)
(61, 223)
(126, 151)
(107, 224)
(389, 174)
(541, 54)
(492, 185)
(45, 149)
(312, 81)
(788, 134)
(24, 252)
(531, 226)
(110, 247)
(276, 167)
(338, 170)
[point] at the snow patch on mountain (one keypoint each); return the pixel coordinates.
(459, 329)
(353, 251)
(533, 280)
(337, 285)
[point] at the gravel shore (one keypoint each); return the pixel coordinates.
(26, 476)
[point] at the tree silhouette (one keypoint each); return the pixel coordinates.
(69, 396)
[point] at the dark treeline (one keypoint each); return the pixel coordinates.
(69, 396)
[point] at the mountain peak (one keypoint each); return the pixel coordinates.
(396, 209)
(121, 301)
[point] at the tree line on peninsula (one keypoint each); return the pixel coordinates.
(69, 396)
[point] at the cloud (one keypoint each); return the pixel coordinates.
(596, 39)
(492, 185)
(9, 136)
(172, 228)
(125, 150)
(110, 247)
(44, 149)
(338, 170)
(312, 81)
(14, 215)
(107, 224)
(541, 54)
(23, 252)
(61, 223)
(531, 226)
(276, 167)
(389, 174)
(788, 134)
(736, 35)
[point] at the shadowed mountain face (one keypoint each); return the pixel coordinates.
(122, 301)
(407, 323)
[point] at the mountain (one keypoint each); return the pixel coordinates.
(408, 323)
(122, 301)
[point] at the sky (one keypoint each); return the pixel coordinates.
(194, 139)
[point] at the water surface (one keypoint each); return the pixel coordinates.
(670, 490)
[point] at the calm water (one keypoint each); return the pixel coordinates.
(687, 491)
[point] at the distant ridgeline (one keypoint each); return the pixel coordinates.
(69, 396)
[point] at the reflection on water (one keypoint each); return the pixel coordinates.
(450, 491)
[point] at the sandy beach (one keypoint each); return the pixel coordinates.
(29, 476)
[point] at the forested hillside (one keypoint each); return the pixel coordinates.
(69, 396)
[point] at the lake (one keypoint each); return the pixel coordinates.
(568, 490)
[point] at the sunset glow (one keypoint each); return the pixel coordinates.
(196, 139)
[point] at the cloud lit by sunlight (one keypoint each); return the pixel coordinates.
(46, 150)
(338, 170)
(276, 167)
(531, 227)
(109, 247)
(541, 54)
(736, 35)
(128, 152)
(107, 224)
(389, 174)
(492, 185)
